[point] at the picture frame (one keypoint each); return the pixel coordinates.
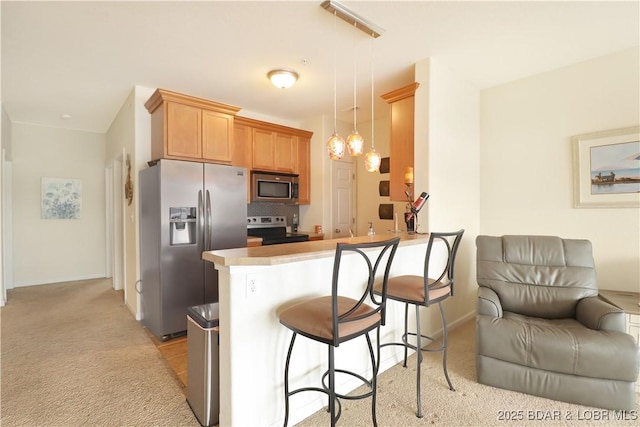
(606, 169)
(61, 198)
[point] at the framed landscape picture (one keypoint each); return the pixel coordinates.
(607, 169)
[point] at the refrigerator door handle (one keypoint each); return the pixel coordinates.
(201, 228)
(208, 224)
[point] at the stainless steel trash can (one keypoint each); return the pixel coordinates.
(203, 367)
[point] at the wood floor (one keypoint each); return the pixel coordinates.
(175, 353)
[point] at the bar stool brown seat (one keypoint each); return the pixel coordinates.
(335, 319)
(423, 291)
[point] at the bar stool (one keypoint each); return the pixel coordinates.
(423, 291)
(319, 318)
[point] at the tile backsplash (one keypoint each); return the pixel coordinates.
(273, 209)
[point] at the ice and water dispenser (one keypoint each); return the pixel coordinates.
(182, 223)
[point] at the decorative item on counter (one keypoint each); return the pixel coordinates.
(411, 216)
(395, 224)
(371, 230)
(318, 229)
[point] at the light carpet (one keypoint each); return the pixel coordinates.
(472, 404)
(73, 355)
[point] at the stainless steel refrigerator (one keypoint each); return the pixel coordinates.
(185, 208)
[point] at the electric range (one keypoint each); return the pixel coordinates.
(272, 230)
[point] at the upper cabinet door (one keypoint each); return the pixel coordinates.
(183, 131)
(285, 153)
(188, 128)
(217, 136)
(263, 149)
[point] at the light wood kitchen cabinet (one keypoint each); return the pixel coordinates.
(274, 151)
(303, 169)
(402, 103)
(285, 152)
(263, 150)
(188, 128)
(275, 148)
(243, 151)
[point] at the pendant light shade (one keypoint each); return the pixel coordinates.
(355, 144)
(335, 146)
(372, 160)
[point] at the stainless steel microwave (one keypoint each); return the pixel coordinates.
(274, 187)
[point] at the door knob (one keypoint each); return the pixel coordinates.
(338, 230)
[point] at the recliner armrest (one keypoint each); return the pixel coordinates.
(488, 303)
(597, 314)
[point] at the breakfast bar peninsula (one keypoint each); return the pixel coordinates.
(254, 284)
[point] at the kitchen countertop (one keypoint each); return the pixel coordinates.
(299, 251)
(282, 275)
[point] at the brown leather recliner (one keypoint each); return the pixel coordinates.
(541, 328)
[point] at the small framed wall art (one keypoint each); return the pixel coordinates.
(607, 169)
(61, 198)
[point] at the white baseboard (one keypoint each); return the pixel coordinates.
(59, 280)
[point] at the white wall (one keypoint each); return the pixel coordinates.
(526, 159)
(46, 250)
(368, 195)
(131, 131)
(447, 166)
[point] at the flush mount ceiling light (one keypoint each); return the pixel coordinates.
(282, 78)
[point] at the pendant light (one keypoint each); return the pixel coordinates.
(372, 159)
(335, 144)
(355, 143)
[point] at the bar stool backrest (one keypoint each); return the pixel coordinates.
(441, 276)
(343, 263)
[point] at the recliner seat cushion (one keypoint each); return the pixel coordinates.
(557, 345)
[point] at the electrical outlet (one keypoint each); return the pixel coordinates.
(252, 285)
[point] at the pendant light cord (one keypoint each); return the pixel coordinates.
(372, 103)
(355, 104)
(335, 86)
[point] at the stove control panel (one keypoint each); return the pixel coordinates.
(266, 221)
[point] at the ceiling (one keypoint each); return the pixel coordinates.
(82, 59)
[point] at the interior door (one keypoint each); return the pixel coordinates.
(342, 212)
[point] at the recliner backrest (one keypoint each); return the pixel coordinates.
(540, 276)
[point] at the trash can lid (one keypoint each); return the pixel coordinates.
(205, 315)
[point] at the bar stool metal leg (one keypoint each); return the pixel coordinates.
(444, 347)
(286, 381)
(419, 361)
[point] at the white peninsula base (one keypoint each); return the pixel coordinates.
(253, 284)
